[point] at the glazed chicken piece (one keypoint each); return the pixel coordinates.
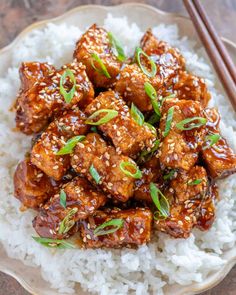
(96, 41)
(136, 229)
(188, 86)
(128, 137)
(56, 222)
(31, 186)
(151, 172)
(43, 154)
(219, 158)
(186, 199)
(94, 152)
(35, 106)
(180, 148)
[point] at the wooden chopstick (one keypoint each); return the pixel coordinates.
(214, 55)
(219, 44)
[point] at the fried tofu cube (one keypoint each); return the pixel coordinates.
(188, 86)
(32, 72)
(43, 153)
(128, 137)
(96, 41)
(136, 229)
(180, 148)
(151, 172)
(31, 186)
(206, 212)
(168, 60)
(81, 197)
(94, 152)
(184, 187)
(220, 159)
(185, 198)
(37, 105)
(130, 85)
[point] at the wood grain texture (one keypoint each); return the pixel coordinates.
(15, 15)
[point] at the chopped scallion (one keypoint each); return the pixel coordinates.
(126, 166)
(95, 175)
(110, 114)
(190, 123)
(117, 46)
(159, 200)
(68, 95)
(137, 115)
(70, 144)
(169, 121)
(148, 73)
(116, 224)
(102, 70)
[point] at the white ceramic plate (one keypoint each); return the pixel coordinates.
(30, 277)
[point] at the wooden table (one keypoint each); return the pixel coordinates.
(15, 15)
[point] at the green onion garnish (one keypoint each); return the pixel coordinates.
(195, 182)
(153, 119)
(109, 116)
(103, 69)
(63, 198)
(67, 95)
(201, 121)
(151, 92)
(67, 223)
(152, 128)
(51, 243)
(94, 129)
(117, 46)
(146, 153)
(161, 202)
(153, 72)
(125, 164)
(70, 144)
(169, 175)
(94, 174)
(166, 97)
(137, 115)
(115, 223)
(169, 121)
(211, 140)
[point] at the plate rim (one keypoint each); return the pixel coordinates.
(37, 25)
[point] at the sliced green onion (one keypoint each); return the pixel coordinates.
(167, 97)
(51, 243)
(118, 47)
(94, 129)
(201, 121)
(67, 95)
(153, 119)
(115, 223)
(63, 198)
(157, 216)
(152, 128)
(195, 182)
(94, 174)
(146, 153)
(125, 164)
(148, 73)
(169, 121)
(103, 69)
(211, 140)
(161, 202)
(169, 175)
(151, 92)
(109, 116)
(67, 223)
(70, 144)
(137, 115)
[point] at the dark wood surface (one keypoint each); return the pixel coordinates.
(15, 15)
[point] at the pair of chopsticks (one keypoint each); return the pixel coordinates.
(215, 48)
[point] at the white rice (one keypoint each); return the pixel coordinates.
(142, 271)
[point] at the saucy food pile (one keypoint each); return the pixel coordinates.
(121, 147)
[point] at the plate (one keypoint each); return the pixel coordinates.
(30, 277)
